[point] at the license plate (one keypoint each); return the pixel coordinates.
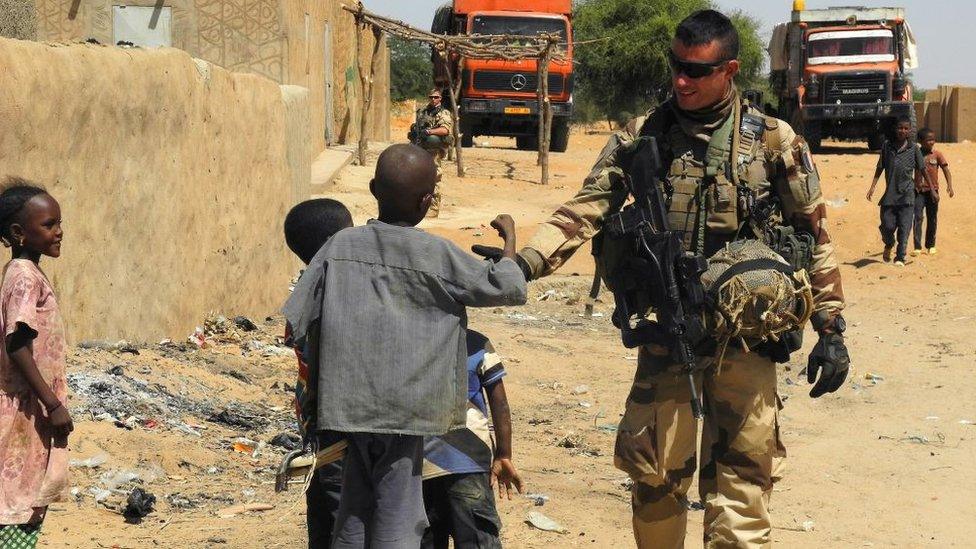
(518, 110)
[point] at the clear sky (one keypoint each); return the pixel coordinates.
(945, 29)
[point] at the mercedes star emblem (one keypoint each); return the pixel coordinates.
(518, 82)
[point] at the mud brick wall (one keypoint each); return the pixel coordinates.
(174, 177)
(284, 40)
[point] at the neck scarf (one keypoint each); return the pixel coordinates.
(702, 122)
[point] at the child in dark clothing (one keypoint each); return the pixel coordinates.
(308, 226)
(457, 485)
(900, 161)
(927, 192)
(390, 302)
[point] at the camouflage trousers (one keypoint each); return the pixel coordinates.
(740, 447)
(439, 154)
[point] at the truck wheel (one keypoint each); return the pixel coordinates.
(467, 140)
(875, 141)
(527, 143)
(811, 131)
(560, 137)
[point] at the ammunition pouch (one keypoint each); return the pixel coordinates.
(796, 248)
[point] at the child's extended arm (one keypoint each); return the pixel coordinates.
(19, 350)
(877, 175)
(502, 469)
(948, 176)
(505, 226)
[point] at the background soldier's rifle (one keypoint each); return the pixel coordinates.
(417, 129)
(659, 275)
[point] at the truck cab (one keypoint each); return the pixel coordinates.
(499, 96)
(843, 72)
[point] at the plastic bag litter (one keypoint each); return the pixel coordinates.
(91, 463)
(100, 494)
(538, 499)
(113, 479)
(139, 504)
(581, 389)
(542, 522)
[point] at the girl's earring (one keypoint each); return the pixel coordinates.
(21, 242)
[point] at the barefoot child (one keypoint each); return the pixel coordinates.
(459, 468)
(308, 226)
(900, 161)
(927, 192)
(391, 303)
(34, 420)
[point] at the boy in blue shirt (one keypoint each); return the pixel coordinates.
(457, 486)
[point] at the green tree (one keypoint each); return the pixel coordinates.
(411, 72)
(626, 70)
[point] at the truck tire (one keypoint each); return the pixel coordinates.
(527, 143)
(811, 131)
(560, 136)
(875, 141)
(467, 140)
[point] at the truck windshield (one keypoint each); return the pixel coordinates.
(853, 46)
(522, 26)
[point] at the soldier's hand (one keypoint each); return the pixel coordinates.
(831, 360)
(495, 254)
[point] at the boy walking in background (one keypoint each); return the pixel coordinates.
(457, 487)
(391, 303)
(900, 161)
(927, 192)
(308, 226)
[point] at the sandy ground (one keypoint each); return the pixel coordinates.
(885, 462)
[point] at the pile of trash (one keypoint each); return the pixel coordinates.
(128, 402)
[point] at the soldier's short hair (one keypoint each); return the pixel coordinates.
(705, 26)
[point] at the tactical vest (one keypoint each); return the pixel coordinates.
(704, 201)
(688, 181)
(427, 118)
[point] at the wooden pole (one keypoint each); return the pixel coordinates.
(367, 84)
(455, 114)
(545, 112)
(360, 27)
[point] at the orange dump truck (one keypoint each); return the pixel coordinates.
(498, 97)
(843, 72)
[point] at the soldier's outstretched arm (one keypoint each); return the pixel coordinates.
(797, 183)
(580, 218)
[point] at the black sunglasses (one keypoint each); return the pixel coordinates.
(692, 69)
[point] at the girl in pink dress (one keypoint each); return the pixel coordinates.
(34, 420)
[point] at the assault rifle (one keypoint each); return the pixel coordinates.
(659, 275)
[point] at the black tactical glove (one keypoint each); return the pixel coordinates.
(829, 357)
(495, 254)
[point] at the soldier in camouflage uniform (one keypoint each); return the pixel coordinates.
(656, 441)
(432, 131)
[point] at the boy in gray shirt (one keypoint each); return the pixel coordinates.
(390, 301)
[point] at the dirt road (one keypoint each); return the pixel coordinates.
(885, 462)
